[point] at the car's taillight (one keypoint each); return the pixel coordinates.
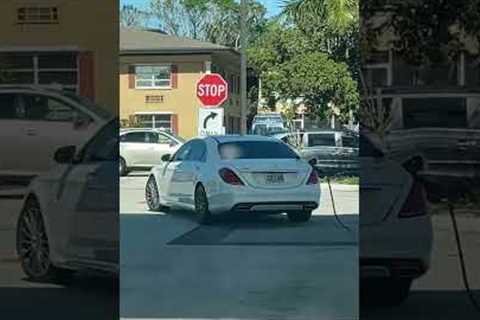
(230, 177)
(415, 204)
(313, 178)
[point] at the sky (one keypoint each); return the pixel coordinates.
(273, 6)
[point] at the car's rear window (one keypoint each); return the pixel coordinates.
(255, 150)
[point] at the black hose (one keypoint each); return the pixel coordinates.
(334, 209)
(471, 296)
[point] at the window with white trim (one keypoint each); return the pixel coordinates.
(377, 69)
(154, 120)
(40, 69)
(153, 77)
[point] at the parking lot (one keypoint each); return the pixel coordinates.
(240, 267)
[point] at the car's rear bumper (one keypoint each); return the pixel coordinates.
(396, 247)
(245, 199)
(273, 206)
(382, 268)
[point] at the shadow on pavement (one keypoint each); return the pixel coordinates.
(87, 297)
(425, 304)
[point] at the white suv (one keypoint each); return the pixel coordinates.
(35, 122)
(144, 148)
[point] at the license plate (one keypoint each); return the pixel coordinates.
(274, 178)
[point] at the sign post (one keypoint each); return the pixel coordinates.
(210, 122)
(212, 91)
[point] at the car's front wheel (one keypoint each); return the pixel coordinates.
(385, 292)
(201, 206)
(299, 216)
(33, 246)
(152, 195)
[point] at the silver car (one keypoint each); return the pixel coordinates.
(143, 148)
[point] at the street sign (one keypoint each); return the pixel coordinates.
(210, 122)
(212, 90)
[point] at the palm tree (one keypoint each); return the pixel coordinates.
(334, 16)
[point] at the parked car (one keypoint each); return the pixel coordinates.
(267, 123)
(144, 148)
(336, 152)
(69, 218)
(395, 228)
(244, 174)
(444, 126)
(35, 122)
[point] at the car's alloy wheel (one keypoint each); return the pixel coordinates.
(122, 167)
(201, 205)
(33, 247)
(152, 195)
(299, 216)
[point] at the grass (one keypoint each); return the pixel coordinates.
(343, 180)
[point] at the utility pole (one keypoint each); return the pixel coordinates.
(243, 66)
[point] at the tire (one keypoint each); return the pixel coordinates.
(201, 206)
(385, 292)
(123, 169)
(33, 247)
(152, 196)
(299, 216)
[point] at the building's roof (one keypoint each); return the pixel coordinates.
(134, 41)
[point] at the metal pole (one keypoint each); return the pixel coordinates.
(243, 66)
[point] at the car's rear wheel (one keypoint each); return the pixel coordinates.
(299, 216)
(385, 292)
(152, 195)
(201, 206)
(33, 247)
(123, 169)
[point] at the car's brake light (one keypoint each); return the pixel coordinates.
(230, 177)
(415, 204)
(313, 178)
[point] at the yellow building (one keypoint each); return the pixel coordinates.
(158, 76)
(70, 43)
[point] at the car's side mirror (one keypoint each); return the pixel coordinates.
(313, 162)
(81, 121)
(166, 157)
(65, 155)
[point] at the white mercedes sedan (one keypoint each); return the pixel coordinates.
(244, 174)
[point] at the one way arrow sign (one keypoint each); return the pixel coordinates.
(210, 122)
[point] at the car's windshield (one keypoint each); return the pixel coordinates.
(87, 103)
(255, 150)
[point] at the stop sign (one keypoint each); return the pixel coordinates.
(212, 90)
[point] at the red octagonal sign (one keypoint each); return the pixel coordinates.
(212, 90)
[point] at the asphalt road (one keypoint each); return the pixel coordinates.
(87, 297)
(239, 268)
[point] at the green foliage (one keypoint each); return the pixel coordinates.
(428, 31)
(216, 21)
(318, 80)
(293, 65)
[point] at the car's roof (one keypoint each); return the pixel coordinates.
(234, 138)
(123, 130)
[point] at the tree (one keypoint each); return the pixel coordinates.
(131, 16)
(215, 21)
(292, 68)
(422, 32)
